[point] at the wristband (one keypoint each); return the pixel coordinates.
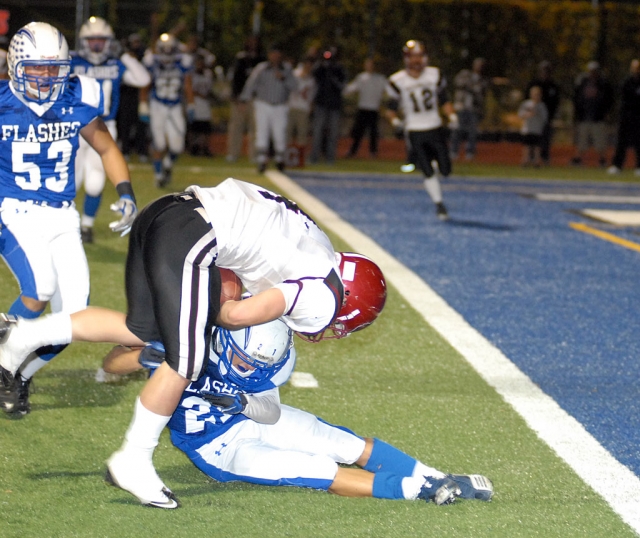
(124, 188)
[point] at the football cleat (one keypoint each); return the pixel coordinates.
(15, 399)
(439, 490)
(7, 321)
(8, 394)
(441, 211)
(138, 477)
(86, 234)
(473, 486)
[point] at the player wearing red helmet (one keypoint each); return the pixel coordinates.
(173, 287)
(419, 91)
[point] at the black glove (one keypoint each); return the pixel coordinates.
(231, 404)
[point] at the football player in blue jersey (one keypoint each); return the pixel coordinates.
(171, 84)
(232, 426)
(43, 114)
(95, 59)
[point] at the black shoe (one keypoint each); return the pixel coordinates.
(166, 176)
(280, 166)
(15, 398)
(86, 234)
(441, 211)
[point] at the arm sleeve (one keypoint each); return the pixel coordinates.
(263, 407)
(249, 87)
(136, 74)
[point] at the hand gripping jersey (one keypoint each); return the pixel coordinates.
(168, 78)
(38, 144)
(195, 416)
(268, 241)
(420, 98)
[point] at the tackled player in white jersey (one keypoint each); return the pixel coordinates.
(420, 91)
(95, 58)
(232, 426)
(44, 112)
(178, 245)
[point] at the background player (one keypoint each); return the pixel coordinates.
(96, 58)
(171, 81)
(44, 111)
(420, 90)
(173, 294)
(232, 426)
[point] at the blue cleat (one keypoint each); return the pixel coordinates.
(473, 486)
(439, 490)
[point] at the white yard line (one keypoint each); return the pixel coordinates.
(566, 436)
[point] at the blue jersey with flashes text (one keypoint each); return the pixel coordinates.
(168, 77)
(109, 75)
(37, 153)
(195, 416)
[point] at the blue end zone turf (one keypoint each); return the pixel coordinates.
(563, 305)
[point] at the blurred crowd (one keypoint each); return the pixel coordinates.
(275, 107)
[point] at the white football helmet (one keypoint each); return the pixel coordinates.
(167, 48)
(260, 352)
(415, 54)
(38, 61)
(96, 38)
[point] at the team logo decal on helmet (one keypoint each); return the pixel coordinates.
(96, 37)
(250, 357)
(38, 61)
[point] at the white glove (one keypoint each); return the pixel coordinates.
(126, 207)
(454, 122)
(143, 111)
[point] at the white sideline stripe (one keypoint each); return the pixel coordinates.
(602, 198)
(613, 216)
(617, 484)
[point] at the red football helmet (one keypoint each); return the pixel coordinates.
(365, 292)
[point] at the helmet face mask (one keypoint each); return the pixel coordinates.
(365, 293)
(96, 36)
(250, 357)
(415, 55)
(38, 62)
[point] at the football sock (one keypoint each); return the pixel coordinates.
(388, 486)
(91, 205)
(157, 168)
(19, 309)
(386, 458)
(144, 431)
(432, 186)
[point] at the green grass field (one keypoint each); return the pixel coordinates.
(398, 380)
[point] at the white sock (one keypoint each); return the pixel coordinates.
(31, 365)
(411, 486)
(86, 221)
(144, 431)
(432, 186)
(424, 470)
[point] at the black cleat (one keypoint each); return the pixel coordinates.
(441, 211)
(86, 234)
(280, 166)
(14, 398)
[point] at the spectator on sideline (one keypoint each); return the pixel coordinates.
(551, 99)
(300, 102)
(330, 79)
(629, 123)
(535, 116)
(592, 101)
(270, 85)
(370, 86)
(240, 114)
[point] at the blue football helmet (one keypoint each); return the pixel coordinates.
(249, 357)
(38, 61)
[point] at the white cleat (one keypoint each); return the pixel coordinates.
(138, 477)
(13, 348)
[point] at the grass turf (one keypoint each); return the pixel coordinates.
(398, 381)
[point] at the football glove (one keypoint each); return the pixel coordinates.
(127, 208)
(454, 121)
(191, 113)
(152, 355)
(143, 112)
(230, 404)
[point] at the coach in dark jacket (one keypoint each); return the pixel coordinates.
(593, 99)
(629, 125)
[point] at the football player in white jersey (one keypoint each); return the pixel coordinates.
(171, 81)
(173, 289)
(232, 426)
(420, 91)
(43, 114)
(95, 59)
